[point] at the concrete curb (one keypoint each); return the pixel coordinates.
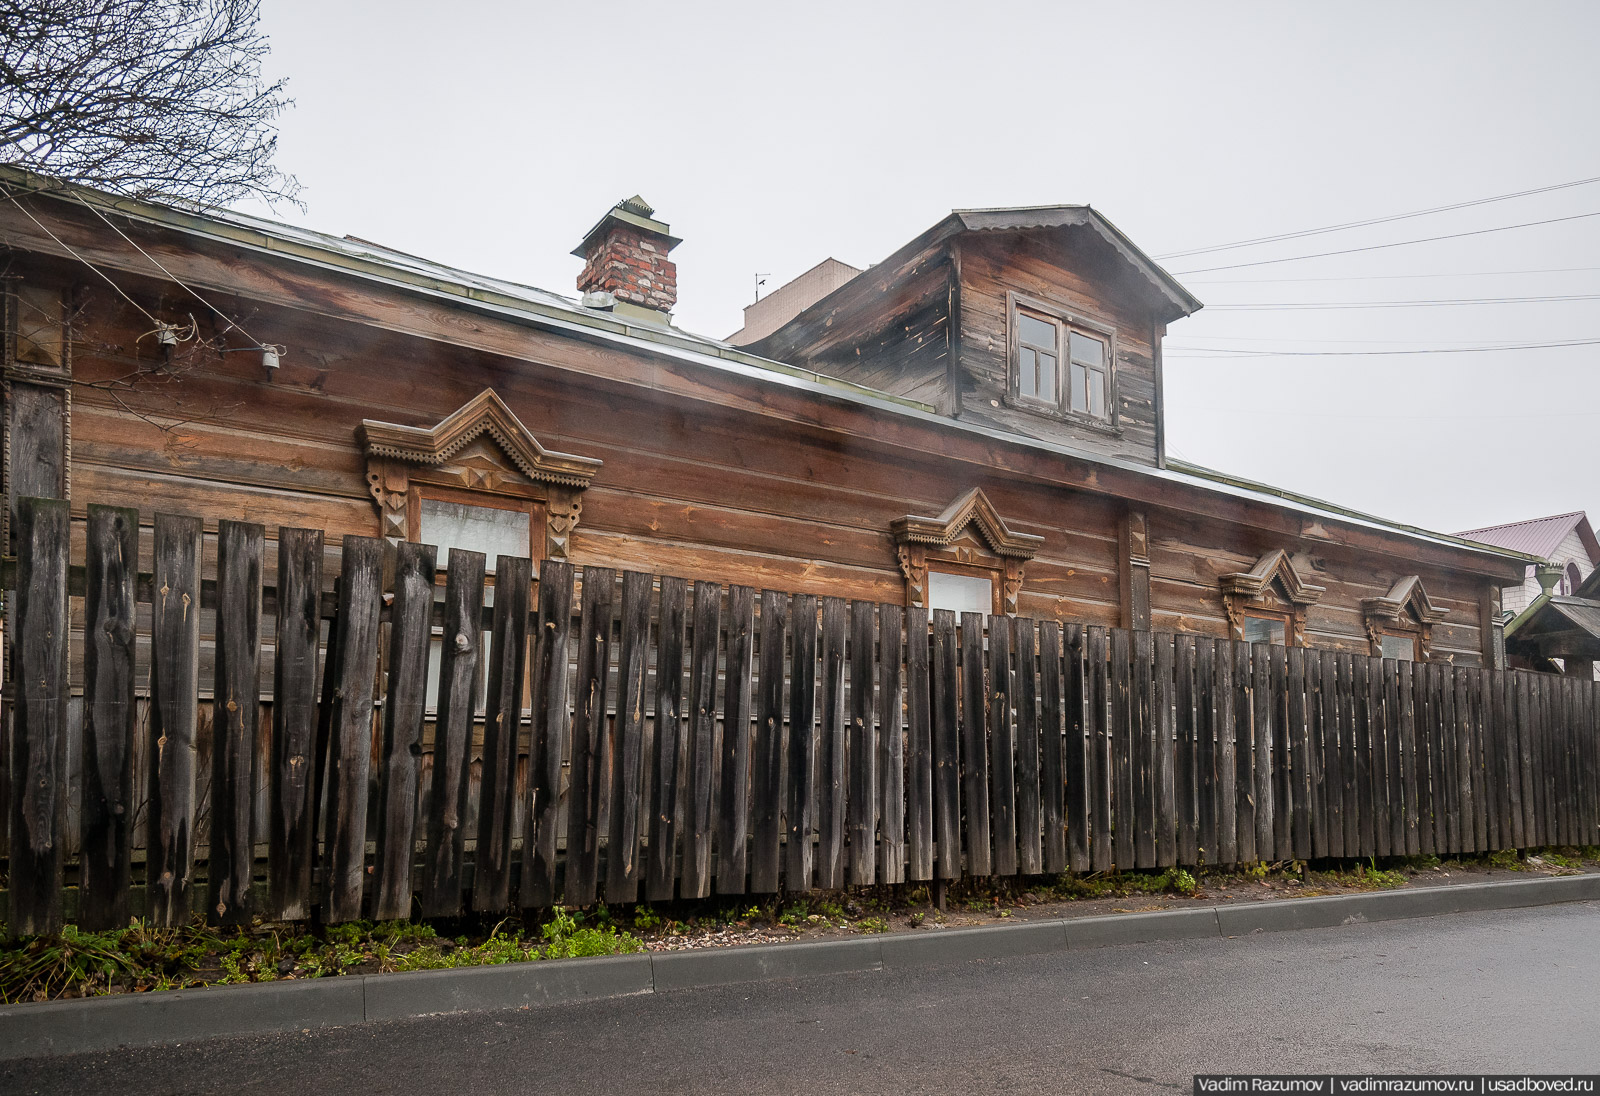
(148, 1019)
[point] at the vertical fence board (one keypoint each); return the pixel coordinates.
(1298, 739)
(291, 826)
(235, 721)
(1315, 777)
(1361, 726)
(946, 737)
(767, 757)
(1425, 705)
(802, 745)
(460, 650)
(1002, 743)
(919, 747)
(1528, 833)
(1332, 797)
(891, 745)
(627, 759)
(1408, 755)
(974, 746)
(1098, 740)
(1245, 794)
(1224, 762)
(404, 710)
(1122, 746)
(1264, 719)
(1187, 783)
(502, 718)
(1466, 823)
(668, 745)
(1145, 788)
(1447, 729)
(1030, 823)
(1208, 805)
(862, 760)
(1076, 760)
(1163, 763)
(1510, 760)
(831, 747)
(174, 681)
(41, 689)
(1052, 770)
(733, 808)
(547, 733)
(109, 616)
(586, 787)
(1284, 734)
(700, 807)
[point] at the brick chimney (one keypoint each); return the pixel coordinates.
(625, 264)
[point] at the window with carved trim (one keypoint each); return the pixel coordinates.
(965, 559)
(1061, 363)
(1262, 627)
(962, 590)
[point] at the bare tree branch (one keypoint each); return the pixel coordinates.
(150, 98)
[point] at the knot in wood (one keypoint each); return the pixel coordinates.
(462, 642)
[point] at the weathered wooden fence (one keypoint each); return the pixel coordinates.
(641, 738)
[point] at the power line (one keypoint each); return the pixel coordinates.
(1376, 220)
(1397, 277)
(1396, 243)
(68, 248)
(1245, 352)
(1273, 306)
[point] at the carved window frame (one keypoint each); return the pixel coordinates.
(1406, 610)
(924, 544)
(1066, 321)
(404, 463)
(1272, 587)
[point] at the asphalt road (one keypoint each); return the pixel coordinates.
(1500, 992)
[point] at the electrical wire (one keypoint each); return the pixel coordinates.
(1375, 220)
(1245, 352)
(69, 250)
(1397, 277)
(1274, 306)
(1395, 243)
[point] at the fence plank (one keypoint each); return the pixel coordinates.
(919, 747)
(174, 684)
(1362, 721)
(1300, 751)
(974, 747)
(586, 786)
(1315, 734)
(1145, 728)
(862, 759)
(627, 759)
(1395, 706)
(1245, 796)
(1121, 728)
(1265, 715)
(1529, 831)
(1505, 713)
(1226, 761)
(1002, 744)
(460, 650)
(39, 721)
(667, 745)
(1483, 795)
(1331, 776)
(767, 758)
(1408, 756)
(1052, 770)
(291, 826)
(831, 748)
(502, 721)
(235, 721)
(350, 756)
(1207, 810)
(1425, 703)
(1448, 793)
(798, 868)
(1025, 702)
(1187, 783)
(404, 711)
(1350, 838)
(733, 808)
(1163, 763)
(891, 745)
(946, 738)
(1284, 732)
(547, 733)
(1466, 812)
(1078, 769)
(109, 622)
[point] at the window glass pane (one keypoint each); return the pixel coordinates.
(1047, 377)
(1036, 332)
(1088, 351)
(1027, 372)
(1400, 647)
(1097, 393)
(486, 529)
(1080, 401)
(1263, 630)
(961, 593)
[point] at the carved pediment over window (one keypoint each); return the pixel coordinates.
(970, 534)
(1274, 585)
(1405, 610)
(482, 446)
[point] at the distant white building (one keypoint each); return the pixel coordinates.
(1565, 540)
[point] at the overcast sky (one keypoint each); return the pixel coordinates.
(492, 135)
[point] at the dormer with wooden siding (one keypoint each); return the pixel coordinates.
(1043, 322)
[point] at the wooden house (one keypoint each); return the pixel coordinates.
(973, 423)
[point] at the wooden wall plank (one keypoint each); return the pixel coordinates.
(109, 621)
(733, 808)
(891, 744)
(460, 651)
(41, 689)
(667, 745)
(862, 758)
(767, 754)
(235, 721)
(802, 792)
(174, 685)
(831, 777)
(586, 787)
(291, 821)
(946, 737)
(919, 747)
(974, 747)
(404, 711)
(502, 721)
(547, 732)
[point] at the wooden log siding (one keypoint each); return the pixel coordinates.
(928, 748)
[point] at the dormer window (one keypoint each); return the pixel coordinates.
(1061, 363)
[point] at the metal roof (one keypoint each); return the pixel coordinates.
(1536, 536)
(541, 308)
